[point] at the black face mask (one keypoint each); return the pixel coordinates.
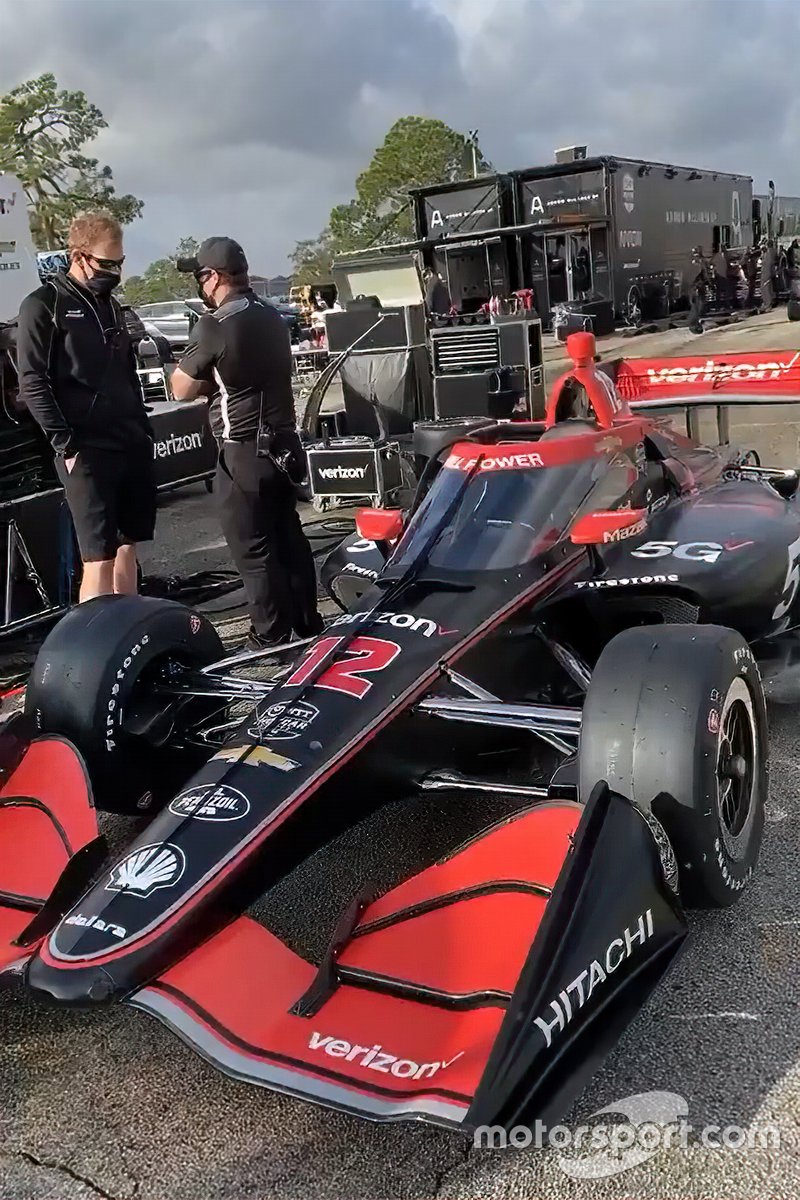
(102, 283)
(209, 301)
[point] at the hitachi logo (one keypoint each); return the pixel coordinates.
(375, 1058)
(575, 994)
(340, 472)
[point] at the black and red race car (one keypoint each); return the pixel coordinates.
(574, 617)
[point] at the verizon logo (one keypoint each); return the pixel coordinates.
(711, 370)
(375, 1058)
(343, 472)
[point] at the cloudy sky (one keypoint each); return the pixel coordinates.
(253, 117)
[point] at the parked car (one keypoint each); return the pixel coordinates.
(175, 318)
(171, 318)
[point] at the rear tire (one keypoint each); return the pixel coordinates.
(675, 720)
(89, 674)
(634, 306)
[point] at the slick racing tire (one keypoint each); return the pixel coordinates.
(91, 683)
(675, 720)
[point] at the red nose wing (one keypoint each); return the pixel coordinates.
(46, 817)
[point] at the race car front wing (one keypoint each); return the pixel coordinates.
(483, 990)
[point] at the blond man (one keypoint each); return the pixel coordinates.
(77, 375)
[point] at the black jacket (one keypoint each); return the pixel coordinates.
(77, 370)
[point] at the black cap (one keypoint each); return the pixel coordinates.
(216, 254)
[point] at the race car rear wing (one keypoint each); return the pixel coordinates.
(652, 385)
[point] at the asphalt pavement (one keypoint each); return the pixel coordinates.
(113, 1106)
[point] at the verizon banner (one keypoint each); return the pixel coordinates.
(765, 373)
(184, 448)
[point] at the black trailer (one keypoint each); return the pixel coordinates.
(467, 233)
(624, 230)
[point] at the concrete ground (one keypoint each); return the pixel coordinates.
(113, 1106)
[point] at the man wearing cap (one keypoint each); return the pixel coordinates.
(240, 355)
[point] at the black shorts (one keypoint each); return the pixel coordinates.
(112, 498)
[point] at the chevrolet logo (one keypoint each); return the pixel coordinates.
(256, 756)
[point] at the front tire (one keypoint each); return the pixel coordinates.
(90, 673)
(675, 720)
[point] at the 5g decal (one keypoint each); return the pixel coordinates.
(791, 582)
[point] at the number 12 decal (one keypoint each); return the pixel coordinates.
(367, 654)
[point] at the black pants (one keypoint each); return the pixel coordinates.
(697, 310)
(258, 514)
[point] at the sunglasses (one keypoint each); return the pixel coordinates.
(108, 264)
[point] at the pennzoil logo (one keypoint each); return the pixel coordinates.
(256, 756)
(211, 802)
(144, 871)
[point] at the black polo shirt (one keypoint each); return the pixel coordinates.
(244, 347)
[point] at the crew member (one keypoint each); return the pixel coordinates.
(698, 292)
(581, 272)
(77, 375)
(240, 354)
(751, 269)
(768, 265)
(793, 259)
(437, 297)
(724, 283)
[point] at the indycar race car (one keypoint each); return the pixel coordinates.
(574, 619)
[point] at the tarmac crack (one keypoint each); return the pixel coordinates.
(64, 1169)
(440, 1176)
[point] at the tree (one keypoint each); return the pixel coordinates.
(311, 260)
(43, 132)
(162, 280)
(416, 152)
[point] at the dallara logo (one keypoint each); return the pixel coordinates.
(145, 870)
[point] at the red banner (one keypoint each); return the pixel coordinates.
(763, 372)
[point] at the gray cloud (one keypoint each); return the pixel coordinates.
(254, 116)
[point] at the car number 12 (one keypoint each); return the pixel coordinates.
(366, 654)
